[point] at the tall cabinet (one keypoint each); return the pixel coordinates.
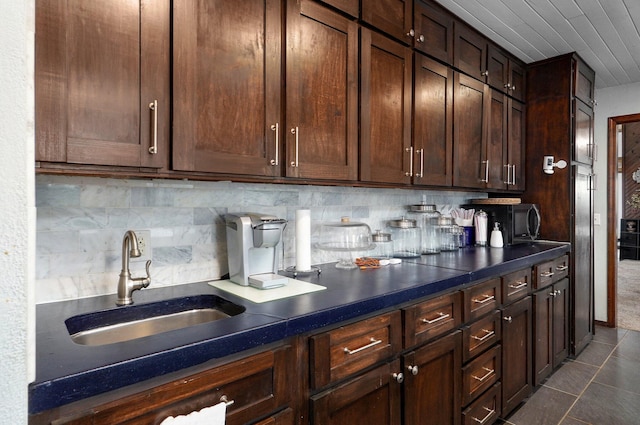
(560, 123)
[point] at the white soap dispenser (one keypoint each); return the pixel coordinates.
(496, 236)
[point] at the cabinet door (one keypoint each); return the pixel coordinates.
(386, 153)
(433, 31)
(517, 80)
(433, 377)
(496, 154)
(470, 52)
(584, 82)
(583, 133)
(371, 398)
(98, 68)
(582, 260)
(432, 122)
(227, 88)
(470, 113)
(395, 17)
(542, 334)
(515, 145)
(321, 93)
(498, 69)
(516, 354)
(560, 322)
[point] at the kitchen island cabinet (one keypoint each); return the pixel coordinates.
(102, 84)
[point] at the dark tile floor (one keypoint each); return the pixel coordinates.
(600, 387)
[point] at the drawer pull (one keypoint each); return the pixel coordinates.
(488, 334)
(562, 268)
(485, 300)
(547, 274)
(442, 316)
(364, 347)
(226, 401)
(508, 319)
(520, 285)
(488, 374)
(483, 420)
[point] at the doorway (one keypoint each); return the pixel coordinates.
(612, 215)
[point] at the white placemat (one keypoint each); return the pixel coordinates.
(291, 289)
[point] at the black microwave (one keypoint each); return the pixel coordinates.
(520, 223)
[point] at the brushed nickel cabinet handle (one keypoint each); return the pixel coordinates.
(421, 153)
(410, 150)
(488, 334)
(547, 274)
(486, 171)
(519, 285)
(364, 347)
(413, 369)
(153, 106)
(295, 162)
(561, 268)
(398, 377)
(508, 319)
(441, 316)
(226, 401)
(485, 73)
(483, 420)
(411, 33)
(420, 38)
(513, 170)
(276, 127)
(486, 375)
(486, 299)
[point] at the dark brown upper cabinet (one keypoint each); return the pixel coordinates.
(505, 73)
(470, 52)
(433, 31)
(102, 83)
(394, 17)
(321, 133)
(227, 89)
(470, 123)
(584, 83)
(386, 153)
(432, 122)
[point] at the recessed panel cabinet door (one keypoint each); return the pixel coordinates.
(102, 82)
(226, 86)
(433, 122)
(470, 132)
(321, 93)
(385, 124)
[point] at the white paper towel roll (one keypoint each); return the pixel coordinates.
(303, 240)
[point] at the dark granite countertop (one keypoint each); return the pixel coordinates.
(68, 372)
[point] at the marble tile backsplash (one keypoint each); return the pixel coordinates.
(81, 222)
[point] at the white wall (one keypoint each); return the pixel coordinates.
(612, 102)
(17, 224)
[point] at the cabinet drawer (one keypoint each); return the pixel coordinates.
(481, 299)
(550, 271)
(543, 274)
(480, 335)
(561, 266)
(432, 318)
(481, 374)
(485, 410)
(516, 285)
(341, 352)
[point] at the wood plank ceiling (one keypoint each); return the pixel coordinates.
(605, 33)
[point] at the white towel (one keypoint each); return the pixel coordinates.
(214, 415)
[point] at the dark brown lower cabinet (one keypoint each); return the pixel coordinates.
(370, 398)
(256, 388)
(516, 354)
(432, 391)
(551, 329)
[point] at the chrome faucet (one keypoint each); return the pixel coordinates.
(127, 284)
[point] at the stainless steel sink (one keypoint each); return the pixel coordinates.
(137, 321)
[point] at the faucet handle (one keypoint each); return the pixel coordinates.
(146, 280)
